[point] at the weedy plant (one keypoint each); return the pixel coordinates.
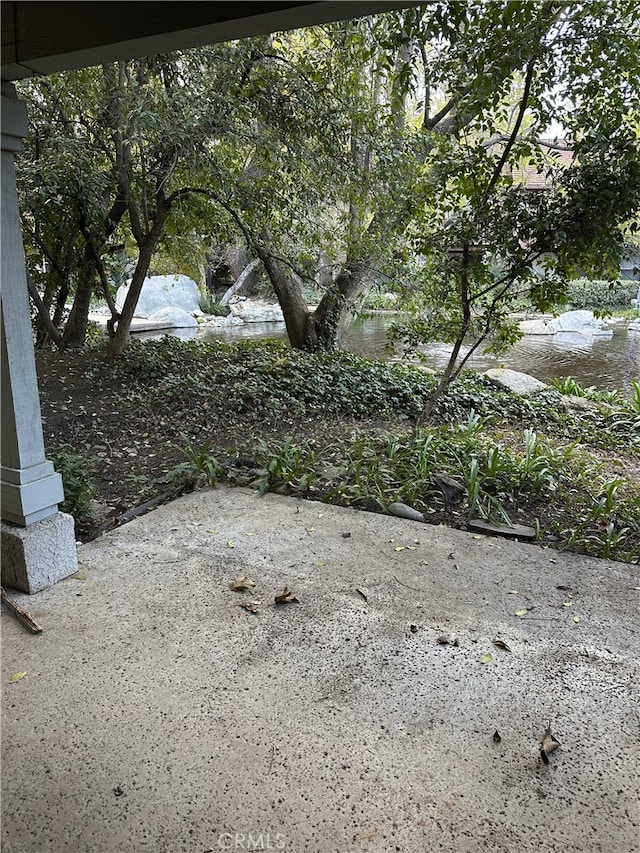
(288, 465)
(200, 468)
(78, 478)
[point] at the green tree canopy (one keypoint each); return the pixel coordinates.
(383, 149)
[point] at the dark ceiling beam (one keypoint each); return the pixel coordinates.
(43, 37)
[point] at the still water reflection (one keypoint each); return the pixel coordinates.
(600, 362)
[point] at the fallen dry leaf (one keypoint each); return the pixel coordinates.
(500, 644)
(241, 582)
(523, 611)
(17, 677)
(286, 597)
(486, 658)
(251, 606)
(549, 744)
(447, 641)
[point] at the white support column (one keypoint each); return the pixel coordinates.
(30, 488)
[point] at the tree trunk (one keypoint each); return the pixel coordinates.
(238, 259)
(48, 329)
(324, 275)
(335, 313)
(121, 335)
(147, 245)
(247, 273)
(321, 329)
(294, 307)
(452, 369)
(75, 331)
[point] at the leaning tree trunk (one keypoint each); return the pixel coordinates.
(241, 281)
(294, 307)
(238, 259)
(75, 331)
(121, 335)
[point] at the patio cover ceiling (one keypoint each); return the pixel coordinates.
(43, 37)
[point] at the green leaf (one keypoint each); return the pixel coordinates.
(18, 676)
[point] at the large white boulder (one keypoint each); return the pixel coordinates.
(519, 383)
(162, 291)
(576, 322)
(173, 318)
(582, 322)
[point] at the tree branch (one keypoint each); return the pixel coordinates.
(43, 314)
(437, 118)
(514, 133)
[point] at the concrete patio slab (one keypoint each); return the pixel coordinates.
(158, 715)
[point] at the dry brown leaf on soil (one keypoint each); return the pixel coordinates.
(286, 597)
(500, 644)
(241, 582)
(549, 744)
(251, 606)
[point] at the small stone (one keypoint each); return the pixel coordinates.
(401, 510)
(451, 489)
(509, 531)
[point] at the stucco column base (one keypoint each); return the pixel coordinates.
(36, 557)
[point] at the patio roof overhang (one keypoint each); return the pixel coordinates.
(40, 38)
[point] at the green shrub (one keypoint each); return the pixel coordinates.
(94, 335)
(77, 473)
(201, 466)
(597, 295)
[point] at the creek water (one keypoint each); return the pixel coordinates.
(604, 363)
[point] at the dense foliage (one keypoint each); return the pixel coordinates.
(382, 149)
